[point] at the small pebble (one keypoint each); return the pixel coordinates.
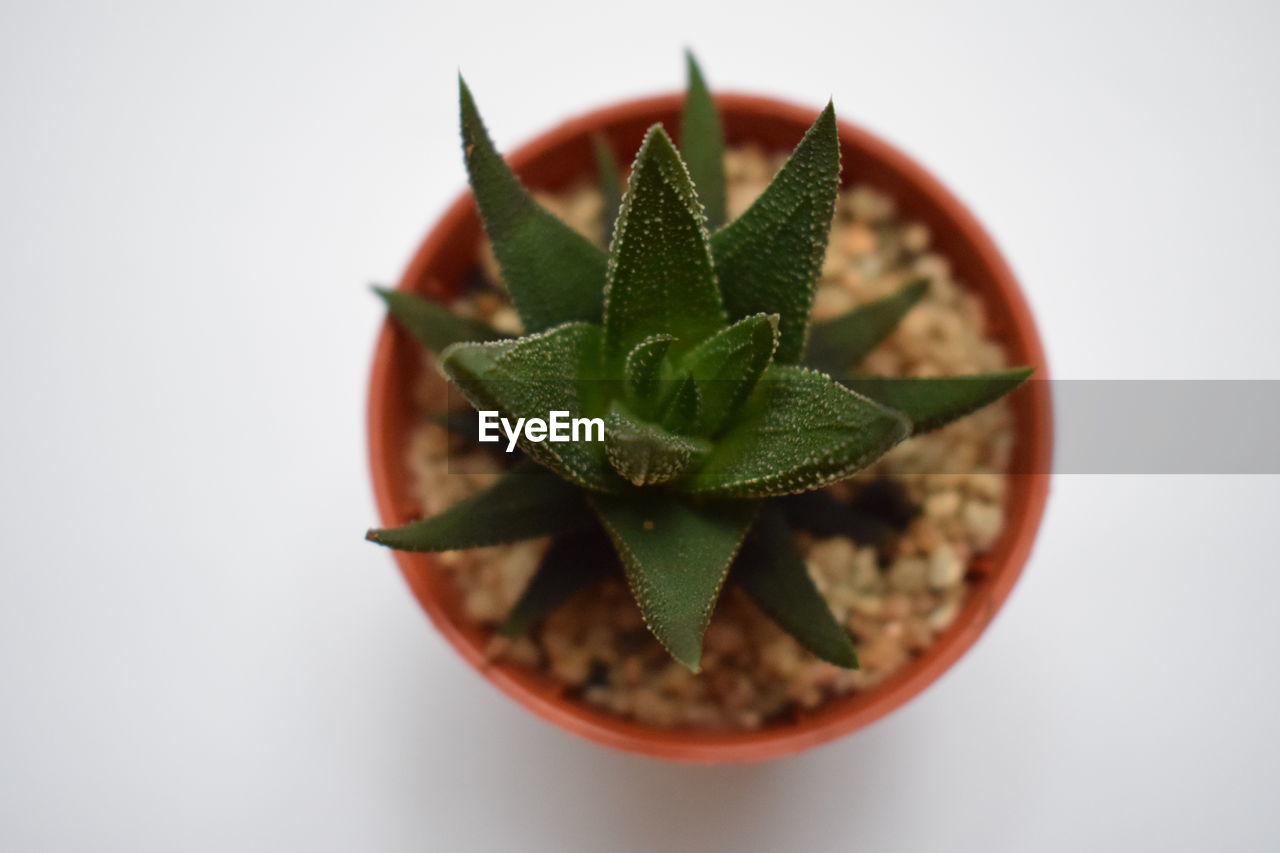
(942, 504)
(946, 569)
(984, 521)
(915, 237)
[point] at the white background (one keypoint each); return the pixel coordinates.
(199, 652)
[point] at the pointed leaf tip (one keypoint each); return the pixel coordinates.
(702, 142)
(771, 571)
(676, 553)
(433, 325)
(933, 402)
(768, 259)
(527, 501)
(609, 176)
(552, 273)
(660, 277)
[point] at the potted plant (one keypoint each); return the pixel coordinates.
(727, 496)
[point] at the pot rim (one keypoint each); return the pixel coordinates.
(1000, 292)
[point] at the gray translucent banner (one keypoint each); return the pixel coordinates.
(1099, 426)
(1175, 426)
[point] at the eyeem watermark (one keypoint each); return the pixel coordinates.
(558, 427)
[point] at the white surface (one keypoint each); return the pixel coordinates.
(199, 652)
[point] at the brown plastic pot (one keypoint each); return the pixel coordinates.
(551, 162)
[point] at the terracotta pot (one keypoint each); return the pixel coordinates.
(551, 162)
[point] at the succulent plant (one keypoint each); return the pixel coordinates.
(691, 339)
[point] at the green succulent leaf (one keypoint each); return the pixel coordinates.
(660, 278)
(610, 179)
(572, 563)
(769, 258)
(839, 344)
(702, 143)
(799, 430)
(433, 325)
(935, 401)
(644, 453)
(528, 501)
(727, 365)
(682, 407)
(644, 371)
(553, 274)
(676, 552)
(773, 574)
(531, 377)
